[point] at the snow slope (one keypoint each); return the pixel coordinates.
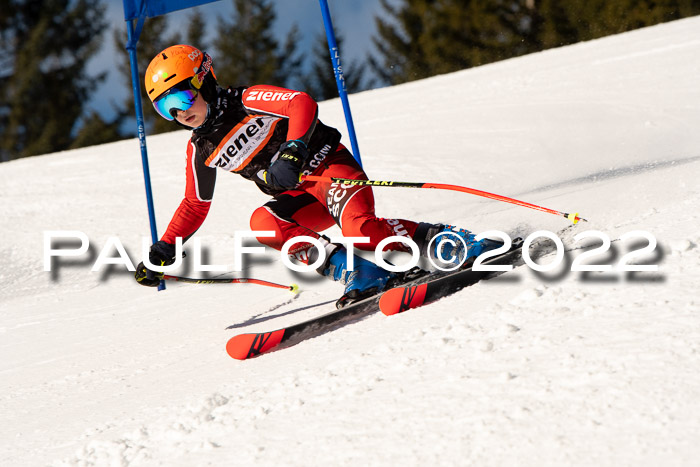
(558, 368)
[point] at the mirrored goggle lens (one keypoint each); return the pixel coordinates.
(175, 99)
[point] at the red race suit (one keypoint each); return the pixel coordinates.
(242, 134)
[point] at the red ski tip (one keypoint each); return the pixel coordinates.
(245, 346)
(400, 299)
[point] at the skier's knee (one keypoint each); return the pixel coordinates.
(263, 220)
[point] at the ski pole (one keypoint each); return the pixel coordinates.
(294, 288)
(573, 217)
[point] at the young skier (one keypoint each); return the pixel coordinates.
(271, 136)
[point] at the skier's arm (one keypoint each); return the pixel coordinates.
(194, 207)
(302, 112)
(298, 107)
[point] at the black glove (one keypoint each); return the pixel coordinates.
(284, 172)
(161, 254)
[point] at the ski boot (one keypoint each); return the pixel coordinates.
(366, 278)
(449, 248)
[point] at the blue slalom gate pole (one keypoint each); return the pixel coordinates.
(133, 37)
(339, 78)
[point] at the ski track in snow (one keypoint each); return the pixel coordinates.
(556, 368)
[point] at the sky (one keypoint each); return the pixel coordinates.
(354, 19)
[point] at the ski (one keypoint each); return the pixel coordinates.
(244, 346)
(403, 298)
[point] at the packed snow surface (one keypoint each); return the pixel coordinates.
(552, 368)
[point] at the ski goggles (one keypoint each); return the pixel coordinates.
(179, 97)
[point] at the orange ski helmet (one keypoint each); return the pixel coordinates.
(180, 67)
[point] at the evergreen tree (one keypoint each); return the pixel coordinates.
(45, 88)
(420, 38)
(290, 62)
(95, 130)
(196, 28)
(581, 20)
(247, 52)
(398, 45)
(320, 80)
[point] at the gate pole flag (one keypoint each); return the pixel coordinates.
(339, 78)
